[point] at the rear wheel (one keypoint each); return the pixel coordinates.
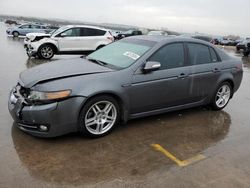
(99, 116)
(46, 51)
(222, 96)
(15, 34)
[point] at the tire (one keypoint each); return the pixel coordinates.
(100, 123)
(15, 34)
(218, 103)
(46, 51)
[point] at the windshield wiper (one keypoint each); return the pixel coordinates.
(97, 61)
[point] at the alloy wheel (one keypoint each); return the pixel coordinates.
(100, 117)
(47, 52)
(223, 96)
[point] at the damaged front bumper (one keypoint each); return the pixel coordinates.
(45, 120)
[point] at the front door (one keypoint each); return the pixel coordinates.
(166, 87)
(70, 40)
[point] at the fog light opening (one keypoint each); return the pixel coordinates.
(43, 128)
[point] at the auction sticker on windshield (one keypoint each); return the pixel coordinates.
(132, 55)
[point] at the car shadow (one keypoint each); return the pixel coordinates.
(126, 152)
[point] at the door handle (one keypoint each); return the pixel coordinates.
(183, 76)
(216, 70)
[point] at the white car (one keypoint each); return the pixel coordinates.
(77, 39)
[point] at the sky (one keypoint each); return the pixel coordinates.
(217, 17)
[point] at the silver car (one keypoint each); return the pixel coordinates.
(134, 77)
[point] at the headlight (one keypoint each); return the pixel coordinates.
(43, 96)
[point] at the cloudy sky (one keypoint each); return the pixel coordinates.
(206, 16)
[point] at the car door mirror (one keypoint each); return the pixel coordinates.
(151, 66)
(63, 35)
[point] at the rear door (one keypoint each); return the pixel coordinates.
(166, 87)
(92, 38)
(205, 70)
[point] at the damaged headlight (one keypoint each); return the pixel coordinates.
(46, 96)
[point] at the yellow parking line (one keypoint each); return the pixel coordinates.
(175, 159)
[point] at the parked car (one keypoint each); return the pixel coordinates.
(242, 45)
(228, 42)
(246, 52)
(128, 34)
(162, 33)
(78, 39)
(24, 29)
(131, 78)
(11, 22)
(215, 41)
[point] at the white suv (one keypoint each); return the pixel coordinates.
(69, 40)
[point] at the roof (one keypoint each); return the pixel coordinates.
(165, 39)
(88, 26)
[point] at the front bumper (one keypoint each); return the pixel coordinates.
(30, 51)
(60, 117)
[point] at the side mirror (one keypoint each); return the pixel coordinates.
(151, 66)
(63, 35)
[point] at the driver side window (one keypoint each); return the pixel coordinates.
(170, 56)
(74, 32)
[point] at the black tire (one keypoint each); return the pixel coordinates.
(15, 34)
(215, 97)
(50, 53)
(86, 110)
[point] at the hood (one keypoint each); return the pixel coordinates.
(59, 69)
(37, 35)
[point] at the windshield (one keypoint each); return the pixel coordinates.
(56, 32)
(120, 54)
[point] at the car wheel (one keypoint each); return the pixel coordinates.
(99, 116)
(46, 51)
(222, 96)
(15, 34)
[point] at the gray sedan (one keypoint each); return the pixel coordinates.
(134, 77)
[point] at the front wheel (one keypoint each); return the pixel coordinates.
(222, 96)
(46, 51)
(15, 34)
(99, 116)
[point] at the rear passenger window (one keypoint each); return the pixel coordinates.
(198, 54)
(213, 55)
(92, 32)
(170, 56)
